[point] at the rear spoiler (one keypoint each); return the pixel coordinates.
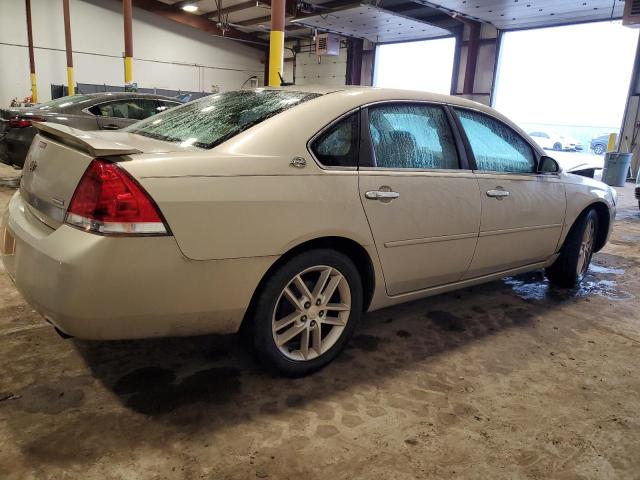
(86, 141)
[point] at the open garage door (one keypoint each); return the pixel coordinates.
(423, 65)
(567, 86)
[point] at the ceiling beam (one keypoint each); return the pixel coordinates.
(233, 8)
(254, 21)
(175, 14)
(424, 13)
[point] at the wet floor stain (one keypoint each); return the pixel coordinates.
(519, 316)
(154, 390)
(447, 321)
(50, 399)
(366, 342)
(600, 280)
(142, 379)
(628, 214)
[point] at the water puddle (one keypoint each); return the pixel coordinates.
(628, 214)
(593, 268)
(535, 286)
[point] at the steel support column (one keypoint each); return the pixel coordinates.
(472, 58)
(67, 41)
(354, 61)
(128, 43)
(32, 62)
(276, 42)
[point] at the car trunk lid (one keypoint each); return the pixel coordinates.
(58, 158)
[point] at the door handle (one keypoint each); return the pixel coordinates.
(497, 193)
(381, 195)
(111, 126)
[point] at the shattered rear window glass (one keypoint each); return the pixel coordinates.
(212, 120)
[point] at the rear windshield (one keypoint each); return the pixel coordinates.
(212, 120)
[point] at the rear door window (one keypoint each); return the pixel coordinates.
(412, 136)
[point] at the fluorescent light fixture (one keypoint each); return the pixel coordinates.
(190, 8)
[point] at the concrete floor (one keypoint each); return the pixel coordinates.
(514, 379)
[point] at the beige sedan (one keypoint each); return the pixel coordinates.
(288, 214)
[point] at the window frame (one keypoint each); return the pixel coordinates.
(123, 99)
(367, 154)
(328, 126)
(470, 155)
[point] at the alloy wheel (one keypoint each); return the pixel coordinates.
(311, 313)
(586, 248)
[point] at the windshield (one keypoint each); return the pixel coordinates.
(212, 120)
(62, 102)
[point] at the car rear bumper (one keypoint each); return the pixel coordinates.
(98, 287)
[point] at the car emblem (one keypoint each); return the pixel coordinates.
(33, 165)
(298, 162)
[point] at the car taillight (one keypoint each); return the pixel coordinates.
(23, 122)
(109, 201)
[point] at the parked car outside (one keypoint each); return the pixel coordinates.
(288, 214)
(105, 111)
(555, 141)
(599, 144)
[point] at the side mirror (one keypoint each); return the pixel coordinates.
(548, 165)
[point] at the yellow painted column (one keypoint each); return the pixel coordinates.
(276, 43)
(127, 14)
(70, 81)
(34, 89)
(612, 142)
(276, 57)
(128, 70)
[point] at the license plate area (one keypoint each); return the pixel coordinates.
(8, 242)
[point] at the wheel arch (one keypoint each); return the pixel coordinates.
(602, 210)
(604, 221)
(355, 251)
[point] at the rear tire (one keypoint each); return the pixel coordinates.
(571, 266)
(307, 311)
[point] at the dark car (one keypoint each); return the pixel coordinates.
(599, 144)
(96, 111)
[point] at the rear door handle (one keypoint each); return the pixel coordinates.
(381, 195)
(111, 126)
(497, 193)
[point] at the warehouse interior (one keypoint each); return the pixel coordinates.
(515, 378)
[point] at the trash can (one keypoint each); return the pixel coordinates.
(616, 168)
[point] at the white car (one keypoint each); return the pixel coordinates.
(288, 214)
(555, 141)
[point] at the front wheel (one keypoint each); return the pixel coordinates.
(557, 146)
(598, 149)
(571, 266)
(307, 311)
